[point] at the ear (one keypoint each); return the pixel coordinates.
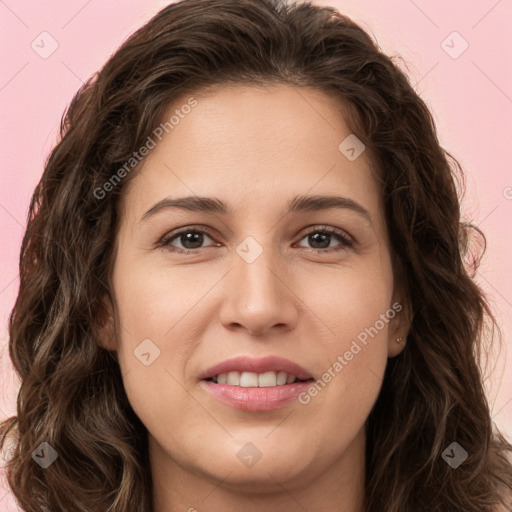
(105, 325)
(399, 325)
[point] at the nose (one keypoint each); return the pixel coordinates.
(259, 296)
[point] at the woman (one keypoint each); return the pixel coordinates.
(243, 284)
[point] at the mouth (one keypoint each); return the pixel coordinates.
(256, 380)
(256, 384)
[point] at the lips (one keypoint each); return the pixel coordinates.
(257, 365)
(247, 383)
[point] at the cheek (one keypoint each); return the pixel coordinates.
(355, 309)
(154, 294)
(349, 300)
(156, 340)
(156, 394)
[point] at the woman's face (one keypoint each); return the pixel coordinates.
(260, 281)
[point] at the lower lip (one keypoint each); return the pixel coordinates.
(256, 399)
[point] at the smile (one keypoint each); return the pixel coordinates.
(251, 379)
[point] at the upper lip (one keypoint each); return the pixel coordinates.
(257, 365)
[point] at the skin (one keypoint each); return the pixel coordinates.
(254, 148)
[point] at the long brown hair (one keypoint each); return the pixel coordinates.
(72, 393)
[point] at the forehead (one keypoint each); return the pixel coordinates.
(253, 145)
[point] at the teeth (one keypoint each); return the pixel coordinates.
(253, 380)
(267, 379)
(248, 379)
(234, 378)
(281, 378)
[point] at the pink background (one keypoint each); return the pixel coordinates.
(471, 98)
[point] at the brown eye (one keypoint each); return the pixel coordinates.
(189, 238)
(320, 239)
(192, 240)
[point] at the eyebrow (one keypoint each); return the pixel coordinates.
(299, 203)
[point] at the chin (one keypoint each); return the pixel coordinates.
(279, 463)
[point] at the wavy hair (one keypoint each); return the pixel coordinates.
(72, 393)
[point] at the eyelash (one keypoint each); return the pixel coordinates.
(325, 230)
